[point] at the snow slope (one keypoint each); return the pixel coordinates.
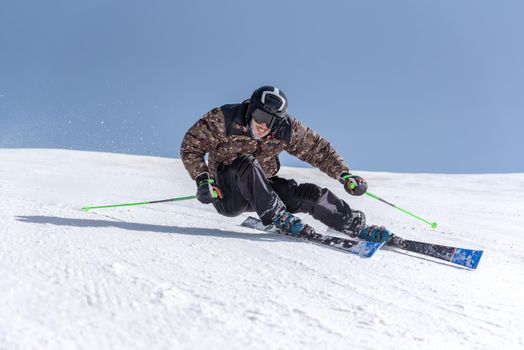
(179, 276)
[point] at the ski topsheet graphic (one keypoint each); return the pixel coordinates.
(465, 257)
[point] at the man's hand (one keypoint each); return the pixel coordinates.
(207, 191)
(353, 184)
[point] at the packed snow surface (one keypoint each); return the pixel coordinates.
(179, 276)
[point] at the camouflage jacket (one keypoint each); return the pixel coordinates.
(223, 133)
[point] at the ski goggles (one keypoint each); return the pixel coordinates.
(273, 99)
(263, 117)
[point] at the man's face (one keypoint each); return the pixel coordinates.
(260, 129)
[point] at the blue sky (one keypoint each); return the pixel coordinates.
(411, 86)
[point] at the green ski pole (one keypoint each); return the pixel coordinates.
(432, 224)
(139, 203)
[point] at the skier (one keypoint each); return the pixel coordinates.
(243, 142)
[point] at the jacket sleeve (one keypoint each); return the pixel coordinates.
(198, 141)
(307, 145)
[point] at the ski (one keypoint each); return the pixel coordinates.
(465, 257)
(361, 248)
(460, 256)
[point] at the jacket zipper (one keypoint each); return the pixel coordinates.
(257, 150)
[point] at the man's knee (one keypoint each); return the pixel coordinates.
(308, 192)
(244, 165)
(231, 208)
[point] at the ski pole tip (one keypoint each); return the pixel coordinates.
(434, 225)
(86, 209)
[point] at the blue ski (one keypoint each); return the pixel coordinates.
(465, 257)
(361, 248)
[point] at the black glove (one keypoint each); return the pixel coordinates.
(308, 192)
(353, 184)
(207, 191)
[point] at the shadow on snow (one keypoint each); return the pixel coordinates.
(192, 231)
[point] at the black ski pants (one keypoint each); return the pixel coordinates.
(246, 188)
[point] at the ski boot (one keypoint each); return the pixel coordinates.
(374, 233)
(355, 224)
(357, 227)
(291, 225)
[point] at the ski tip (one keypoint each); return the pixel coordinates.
(467, 257)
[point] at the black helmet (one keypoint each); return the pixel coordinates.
(268, 105)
